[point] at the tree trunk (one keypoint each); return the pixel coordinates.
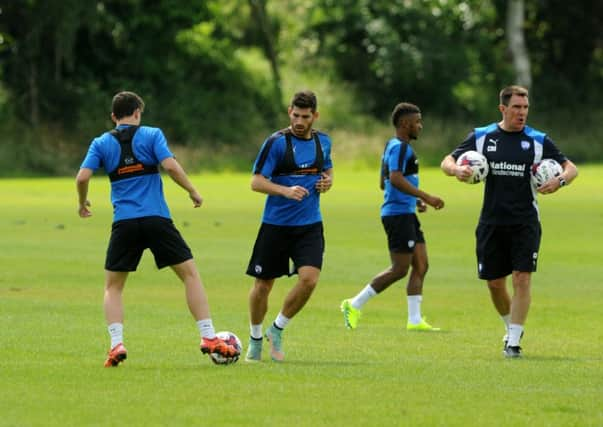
(258, 10)
(517, 44)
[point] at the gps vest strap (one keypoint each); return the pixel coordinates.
(129, 166)
(288, 166)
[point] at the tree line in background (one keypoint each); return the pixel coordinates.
(212, 72)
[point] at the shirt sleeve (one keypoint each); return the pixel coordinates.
(160, 146)
(550, 151)
(326, 148)
(93, 159)
(268, 157)
(393, 160)
(467, 145)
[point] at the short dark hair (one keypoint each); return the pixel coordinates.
(403, 109)
(305, 99)
(507, 92)
(125, 103)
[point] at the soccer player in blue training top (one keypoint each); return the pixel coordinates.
(406, 243)
(131, 154)
(508, 233)
(293, 167)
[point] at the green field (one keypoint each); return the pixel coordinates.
(53, 338)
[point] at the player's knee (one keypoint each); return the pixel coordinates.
(496, 285)
(262, 287)
(399, 271)
(308, 282)
(421, 269)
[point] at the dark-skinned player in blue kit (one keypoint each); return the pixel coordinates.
(405, 240)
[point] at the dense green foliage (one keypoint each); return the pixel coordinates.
(216, 75)
(177, 55)
(54, 337)
(451, 56)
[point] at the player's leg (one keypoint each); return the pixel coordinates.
(400, 263)
(414, 290)
(299, 295)
(258, 307)
(520, 305)
(258, 300)
(419, 266)
(170, 249)
(401, 235)
(494, 264)
(522, 298)
(269, 260)
(500, 296)
(198, 305)
(295, 300)
(525, 247)
(306, 250)
(115, 282)
(196, 298)
(502, 303)
(401, 231)
(398, 268)
(114, 315)
(123, 255)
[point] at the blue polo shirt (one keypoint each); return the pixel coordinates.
(399, 156)
(138, 196)
(279, 210)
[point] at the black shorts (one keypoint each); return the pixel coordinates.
(130, 237)
(403, 232)
(276, 244)
(502, 249)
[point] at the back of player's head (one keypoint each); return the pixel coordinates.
(403, 109)
(507, 92)
(305, 99)
(125, 103)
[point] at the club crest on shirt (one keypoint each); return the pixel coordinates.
(525, 145)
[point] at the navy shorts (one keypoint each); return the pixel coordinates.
(277, 244)
(403, 232)
(502, 249)
(130, 237)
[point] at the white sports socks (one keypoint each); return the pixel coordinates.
(256, 331)
(363, 296)
(414, 308)
(515, 332)
(507, 319)
(116, 331)
(281, 321)
(206, 328)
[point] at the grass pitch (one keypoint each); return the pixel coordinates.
(53, 338)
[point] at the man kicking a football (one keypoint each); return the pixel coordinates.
(131, 155)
